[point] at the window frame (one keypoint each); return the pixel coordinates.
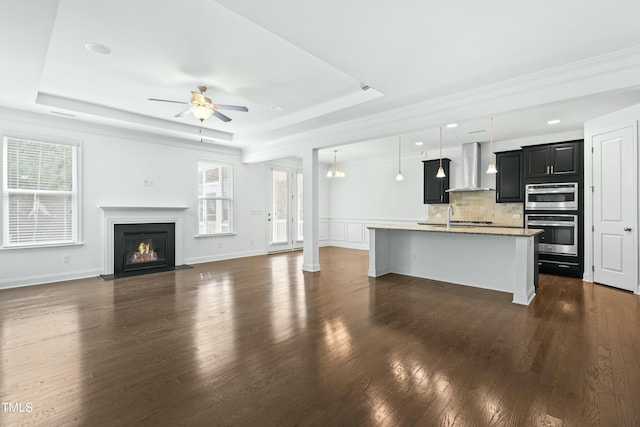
(231, 199)
(77, 221)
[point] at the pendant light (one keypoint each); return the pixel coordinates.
(492, 165)
(441, 173)
(334, 172)
(399, 176)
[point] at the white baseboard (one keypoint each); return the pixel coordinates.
(47, 278)
(222, 257)
(311, 267)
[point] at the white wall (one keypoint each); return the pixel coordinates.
(115, 163)
(370, 195)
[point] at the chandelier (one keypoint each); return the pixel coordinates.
(334, 172)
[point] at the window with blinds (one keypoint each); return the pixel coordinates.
(40, 193)
(215, 198)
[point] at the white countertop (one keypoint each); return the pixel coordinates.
(462, 229)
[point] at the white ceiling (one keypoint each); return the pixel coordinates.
(299, 66)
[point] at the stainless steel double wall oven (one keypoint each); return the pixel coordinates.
(554, 202)
(554, 209)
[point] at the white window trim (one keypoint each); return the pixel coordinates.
(232, 199)
(3, 209)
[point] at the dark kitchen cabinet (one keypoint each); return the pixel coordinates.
(434, 188)
(509, 182)
(565, 158)
(537, 161)
(552, 160)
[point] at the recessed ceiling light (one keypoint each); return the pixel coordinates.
(419, 143)
(452, 125)
(98, 49)
(277, 107)
(553, 122)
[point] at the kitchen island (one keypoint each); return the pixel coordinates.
(496, 258)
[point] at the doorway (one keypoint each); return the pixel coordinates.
(611, 207)
(615, 208)
(284, 209)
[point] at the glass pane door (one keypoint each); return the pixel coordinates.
(300, 200)
(280, 210)
(285, 210)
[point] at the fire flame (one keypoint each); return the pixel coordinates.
(144, 253)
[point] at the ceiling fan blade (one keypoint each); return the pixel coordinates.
(230, 107)
(184, 113)
(221, 116)
(166, 100)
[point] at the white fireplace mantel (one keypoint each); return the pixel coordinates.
(139, 215)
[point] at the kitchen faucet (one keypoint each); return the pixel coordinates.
(449, 213)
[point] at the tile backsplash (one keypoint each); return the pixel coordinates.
(478, 206)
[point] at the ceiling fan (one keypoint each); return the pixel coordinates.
(202, 107)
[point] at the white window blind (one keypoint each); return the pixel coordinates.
(40, 193)
(215, 198)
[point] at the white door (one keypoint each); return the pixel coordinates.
(284, 209)
(615, 208)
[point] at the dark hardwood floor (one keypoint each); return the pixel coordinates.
(256, 341)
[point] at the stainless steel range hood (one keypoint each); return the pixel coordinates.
(470, 169)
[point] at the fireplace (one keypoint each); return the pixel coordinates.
(143, 248)
(117, 215)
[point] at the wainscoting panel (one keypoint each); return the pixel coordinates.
(337, 230)
(352, 232)
(323, 229)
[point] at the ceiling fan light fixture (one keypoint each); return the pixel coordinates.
(201, 112)
(203, 107)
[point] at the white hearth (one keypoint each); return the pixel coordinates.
(139, 215)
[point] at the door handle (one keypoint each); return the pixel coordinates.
(627, 229)
(547, 170)
(551, 169)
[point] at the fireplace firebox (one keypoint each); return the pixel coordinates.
(143, 248)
